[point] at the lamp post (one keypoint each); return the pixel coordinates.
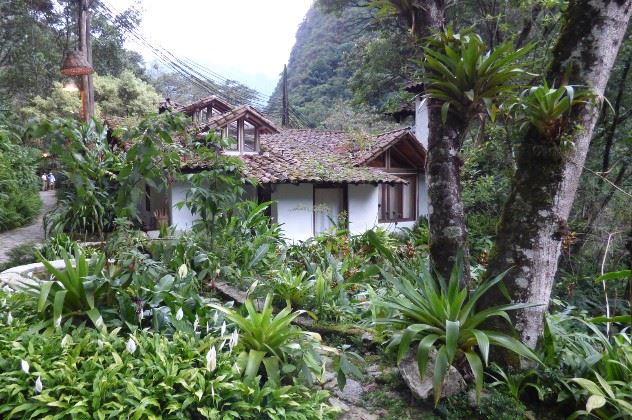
(79, 63)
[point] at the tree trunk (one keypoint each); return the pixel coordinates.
(544, 185)
(448, 234)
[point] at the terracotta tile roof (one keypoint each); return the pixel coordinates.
(200, 104)
(380, 143)
(293, 156)
(248, 113)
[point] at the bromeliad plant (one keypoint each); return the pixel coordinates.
(442, 316)
(74, 291)
(546, 108)
(272, 340)
(466, 77)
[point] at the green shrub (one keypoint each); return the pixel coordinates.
(84, 373)
(19, 184)
(494, 405)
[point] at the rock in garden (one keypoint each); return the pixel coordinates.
(422, 388)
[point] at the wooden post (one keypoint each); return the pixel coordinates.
(285, 114)
(87, 90)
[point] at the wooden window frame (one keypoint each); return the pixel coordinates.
(385, 192)
(240, 136)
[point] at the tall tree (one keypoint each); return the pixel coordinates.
(534, 219)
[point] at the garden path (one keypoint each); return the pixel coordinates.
(32, 233)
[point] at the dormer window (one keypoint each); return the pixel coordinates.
(233, 133)
(243, 124)
(250, 137)
(245, 136)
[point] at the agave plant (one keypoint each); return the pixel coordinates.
(465, 76)
(443, 316)
(272, 340)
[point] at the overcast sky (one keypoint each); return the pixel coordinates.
(244, 40)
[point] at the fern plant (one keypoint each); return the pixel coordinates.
(442, 316)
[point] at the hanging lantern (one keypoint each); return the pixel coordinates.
(75, 64)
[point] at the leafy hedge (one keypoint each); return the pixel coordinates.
(19, 184)
(79, 372)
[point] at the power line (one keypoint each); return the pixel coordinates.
(196, 73)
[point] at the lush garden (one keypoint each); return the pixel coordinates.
(19, 183)
(141, 328)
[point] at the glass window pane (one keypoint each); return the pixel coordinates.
(395, 202)
(249, 137)
(383, 206)
(233, 135)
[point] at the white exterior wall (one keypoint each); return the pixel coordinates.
(421, 121)
(295, 210)
(181, 219)
(363, 207)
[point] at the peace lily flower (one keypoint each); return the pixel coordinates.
(196, 323)
(130, 346)
(183, 271)
(38, 385)
(25, 366)
(207, 327)
(215, 317)
(211, 359)
(66, 341)
(100, 343)
(234, 338)
(179, 314)
(212, 391)
(9, 319)
(222, 330)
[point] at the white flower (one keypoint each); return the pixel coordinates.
(130, 346)
(58, 322)
(207, 327)
(100, 343)
(9, 319)
(183, 271)
(38, 385)
(179, 314)
(66, 341)
(215, 317)
(196, 323)
(212, 391)
(234, 339)
(222, 330)
(25, 366)
(211, 359)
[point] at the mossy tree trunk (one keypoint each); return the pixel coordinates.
(544, 185)
(448, 234)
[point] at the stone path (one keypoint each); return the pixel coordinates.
(31, 233)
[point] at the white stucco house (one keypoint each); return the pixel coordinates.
(311, 176)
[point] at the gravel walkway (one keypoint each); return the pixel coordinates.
(32, 233)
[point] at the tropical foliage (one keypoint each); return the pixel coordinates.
(19, 184)
(442, 317)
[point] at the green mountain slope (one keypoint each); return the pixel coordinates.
(317, 72)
